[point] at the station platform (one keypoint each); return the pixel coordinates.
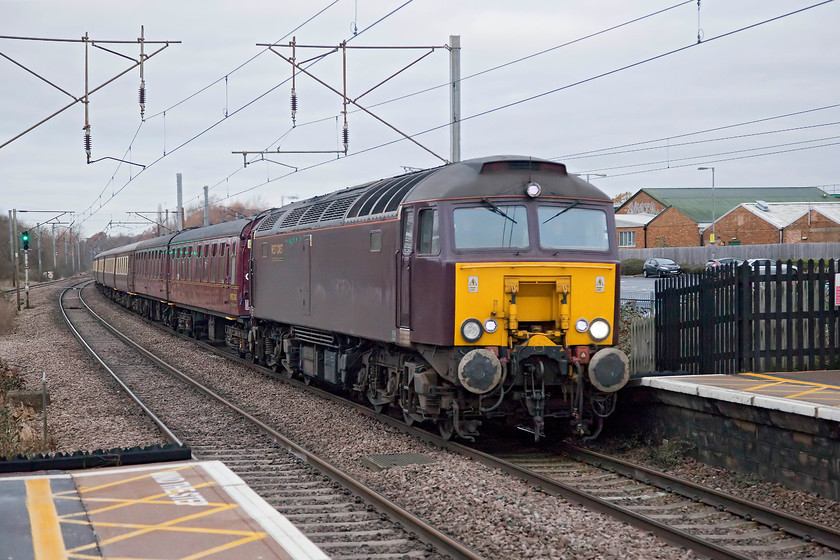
(189, 509)
(815, 394)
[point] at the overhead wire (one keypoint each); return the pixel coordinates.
(198, 92)
(520, 101)
(375, 23)
(555, 90)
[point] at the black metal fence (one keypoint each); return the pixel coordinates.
(773, 318)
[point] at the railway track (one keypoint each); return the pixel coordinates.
(711, 523)
(341, 516)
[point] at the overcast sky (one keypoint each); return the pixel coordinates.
(630, 102)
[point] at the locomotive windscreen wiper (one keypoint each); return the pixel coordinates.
(563, 211)
(496, 210)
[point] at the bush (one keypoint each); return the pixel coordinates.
(692, 268)
(631, 267)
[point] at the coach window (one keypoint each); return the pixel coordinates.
(428, 242)
(233, 263)
(214, 264)
(376, 241)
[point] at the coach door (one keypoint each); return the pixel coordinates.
(406, 256)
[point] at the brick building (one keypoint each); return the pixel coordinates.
(765, 223)
(682, 217)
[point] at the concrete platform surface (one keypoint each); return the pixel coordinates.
(815, 394)
(161, 511)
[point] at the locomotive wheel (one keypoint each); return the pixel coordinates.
(407, 418)
(446, 428)
(307, 379)
(380, 408)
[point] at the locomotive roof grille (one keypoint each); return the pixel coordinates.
(338, 209)
(292, 217)
(269, 222)
(313, 213)
(386, 195)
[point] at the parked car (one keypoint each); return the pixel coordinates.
(716, 264)
(761, 266)
(660, 267)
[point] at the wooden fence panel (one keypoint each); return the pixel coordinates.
(743, 319)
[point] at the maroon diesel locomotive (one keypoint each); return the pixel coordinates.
(480, 290)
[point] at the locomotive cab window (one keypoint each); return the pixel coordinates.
(491, 226)
(567, 227)
(428, 238)
(408, 232)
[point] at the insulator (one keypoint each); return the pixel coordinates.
(142, 96)
(294, 104)
(87, 143)
(346, 135)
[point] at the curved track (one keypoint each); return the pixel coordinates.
(341, 516)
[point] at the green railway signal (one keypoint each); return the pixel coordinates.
(24, 240)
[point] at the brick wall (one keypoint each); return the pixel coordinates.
(640, 237)
(672, 228)
(744, 226)
(797, 451)
(819, 230)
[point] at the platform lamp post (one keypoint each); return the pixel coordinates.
(713, 239)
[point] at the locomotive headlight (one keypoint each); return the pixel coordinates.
(533, 190)
(471, 330)
(599, 329)
(490, 325)
(581, 325)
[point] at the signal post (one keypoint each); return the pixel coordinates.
(24, 243)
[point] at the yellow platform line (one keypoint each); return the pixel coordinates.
(47, 540)
(809, 391)
(797, 381)
(764, 386)
(228, 546)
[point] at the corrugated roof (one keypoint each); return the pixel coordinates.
(782, 215)
(633, 220)
(696, 202)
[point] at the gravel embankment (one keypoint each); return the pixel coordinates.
(88, 410)
(498, 516)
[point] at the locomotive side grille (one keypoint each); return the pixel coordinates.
(292, 217)
(313, 213)
(314, 336)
